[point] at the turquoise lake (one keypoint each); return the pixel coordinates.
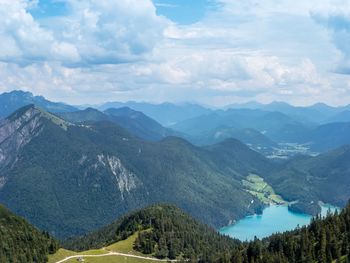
(275, 218)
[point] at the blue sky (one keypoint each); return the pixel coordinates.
(47, 8)
(179, 11)
(185, 11)
(213, 52)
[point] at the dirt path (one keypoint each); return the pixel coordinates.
(114, 254)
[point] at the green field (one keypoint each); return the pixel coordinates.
(125, 246)
(256, 186)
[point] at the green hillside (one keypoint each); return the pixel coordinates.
(20, 242)
(163, 231)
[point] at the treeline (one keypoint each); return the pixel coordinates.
(170, 233)
(22, 243)
(324, 240)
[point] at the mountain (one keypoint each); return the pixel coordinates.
(248, 136)
(310, 179)
(166, 113)
(302, 114)
(163, 231)
(139, 124)
(253, 105)
(315, 114)
(21, 242)
(275, 125)
(72, 178)
(343, 116)
(135, 122)
(12, 101)
(328, 136)
(86, 115)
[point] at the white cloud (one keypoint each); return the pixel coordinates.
(338, 25)
(121, 50)
(94, 32)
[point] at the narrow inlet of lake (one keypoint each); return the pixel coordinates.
(275, 218)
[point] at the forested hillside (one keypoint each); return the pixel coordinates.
(164, 231)
(310, 179)
(167, 232)
(20, 242)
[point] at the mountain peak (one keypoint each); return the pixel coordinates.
(20, 128)
(31, 111)
(14, 100)
(121, 111)
(90, 109)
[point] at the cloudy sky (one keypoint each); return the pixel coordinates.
(214, 52)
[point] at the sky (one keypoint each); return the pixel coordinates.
(212, 52)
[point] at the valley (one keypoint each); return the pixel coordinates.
(72, 173)
(175, 131)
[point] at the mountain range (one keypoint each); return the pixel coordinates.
(58, 174)
(165, 113)
(317, 113)
(275, 125)
(261, 126)
(71, 172)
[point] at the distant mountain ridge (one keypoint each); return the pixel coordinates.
(165, 113)
(12, 101)
(248, 136)
(133, 121)
(317, 113)
(275, 125)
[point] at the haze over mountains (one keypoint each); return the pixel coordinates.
(319, 126)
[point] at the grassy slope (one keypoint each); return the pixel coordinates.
(125, 246)
(262, 190)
